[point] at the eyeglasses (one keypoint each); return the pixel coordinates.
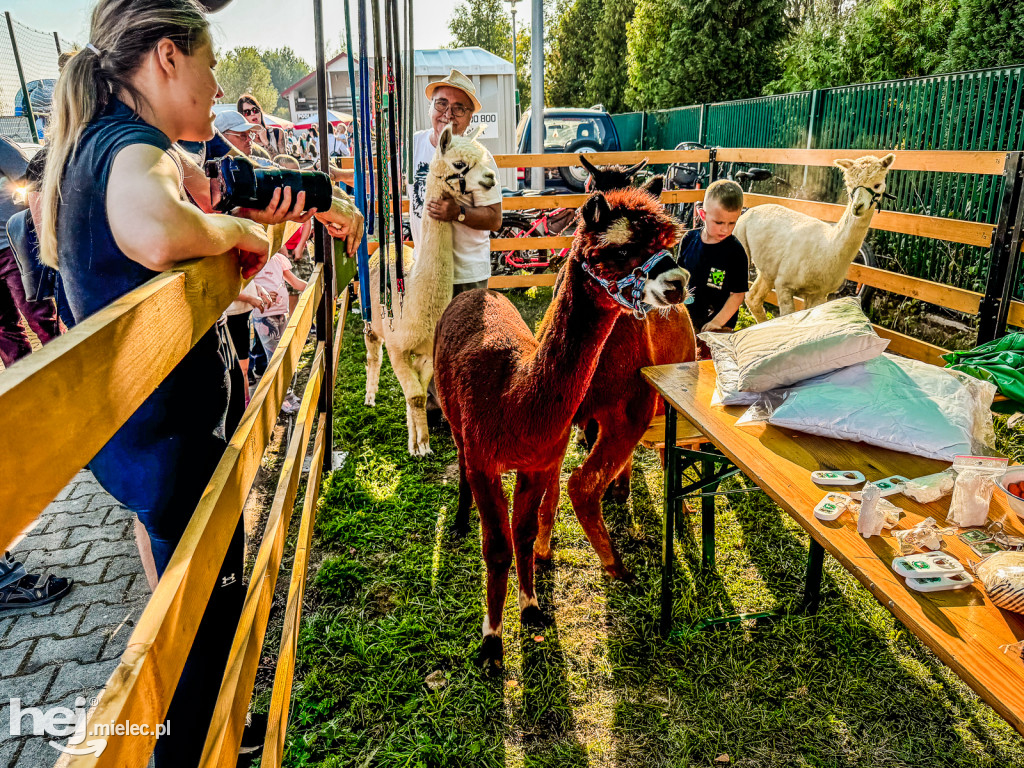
(441, 106)
(251, 111)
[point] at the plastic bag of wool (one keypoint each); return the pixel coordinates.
(891, 402)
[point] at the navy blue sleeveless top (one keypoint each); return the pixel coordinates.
(188, 407)
(94, 269)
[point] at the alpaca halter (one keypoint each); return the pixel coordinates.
(629, 291)
(876, 197)
(460, 177)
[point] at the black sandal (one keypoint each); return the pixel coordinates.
(27, 593)
(11, 571)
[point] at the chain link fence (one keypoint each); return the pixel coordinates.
(28, 69)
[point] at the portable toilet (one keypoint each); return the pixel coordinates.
(494, 79)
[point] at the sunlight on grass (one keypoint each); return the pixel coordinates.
(379, 477)
(435, 563)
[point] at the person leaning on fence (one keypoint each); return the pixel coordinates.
(113, 216)
(716, 261)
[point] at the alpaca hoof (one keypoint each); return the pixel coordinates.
(543, 556)
(619, 572)
(618, 492)
(491, 656)
(533, 617)
(419, 449)
(371, 400)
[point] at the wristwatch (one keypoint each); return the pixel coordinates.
(462, 213)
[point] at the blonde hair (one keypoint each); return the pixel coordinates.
(726, 193)
(121, 33)
(283, 159)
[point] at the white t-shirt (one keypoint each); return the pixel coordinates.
(472, 247)
(271, 279)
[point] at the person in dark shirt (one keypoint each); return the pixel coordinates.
(716, 260)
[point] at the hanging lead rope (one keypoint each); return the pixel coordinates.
(359, 181)
(365, 99)
(393, 69)
(383, 187)
(410, 75)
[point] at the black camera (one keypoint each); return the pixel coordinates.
(244, 185)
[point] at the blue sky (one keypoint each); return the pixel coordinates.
(262, 23)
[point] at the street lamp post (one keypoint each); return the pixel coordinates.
(515, 57)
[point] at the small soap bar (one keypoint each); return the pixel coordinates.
(837, 477)
(832, 506)
(927, 564)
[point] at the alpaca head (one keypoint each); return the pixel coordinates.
(865, 180)
(609, 177)
(623, 241)
(458, 164)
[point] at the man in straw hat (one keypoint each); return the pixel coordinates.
(453, 102)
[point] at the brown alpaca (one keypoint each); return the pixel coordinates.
(510, 398)
(616, 411)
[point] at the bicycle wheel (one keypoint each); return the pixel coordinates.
(866, 257)
(510, 262)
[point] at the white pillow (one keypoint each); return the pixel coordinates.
(803, 344)
(727, 373)
(892, 402)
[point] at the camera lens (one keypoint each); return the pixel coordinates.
(243, 185)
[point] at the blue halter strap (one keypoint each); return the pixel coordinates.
(629, 291)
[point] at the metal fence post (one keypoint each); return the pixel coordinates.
(812, 125)
(712, 165)
(323, 250)
(21, 79)
(56, 41)
(703, 132)
(1005, 253)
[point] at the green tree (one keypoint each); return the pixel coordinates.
(813, 57)
(691, 51)
(285, 68)
(987, 33)
(482, 23)
(570, 66)
(893, 39)
(242, 71)
(610, 76)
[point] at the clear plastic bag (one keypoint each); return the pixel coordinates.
(1002, 575)
(930, 487)
(875, 512)
(925, 535)
(972, 492)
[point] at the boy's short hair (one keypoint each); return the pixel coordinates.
(726, 193)
(287, 161)
(257, 151)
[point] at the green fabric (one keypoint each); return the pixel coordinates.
(1000, 361)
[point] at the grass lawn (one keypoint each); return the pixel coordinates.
(394, 611)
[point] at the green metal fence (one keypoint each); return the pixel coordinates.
(977, 110)
(666, 128)
(630, 127)
(767, 121)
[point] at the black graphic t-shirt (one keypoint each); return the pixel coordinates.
(716, 272)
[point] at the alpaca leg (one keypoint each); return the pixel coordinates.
(465, 499)
(373, 349)
(786, 303)
(546, 518)
(497, 551)
(756, 296)
(415, 397)
(588, 484)
(618, 491)
(531, 487)
(423, 367)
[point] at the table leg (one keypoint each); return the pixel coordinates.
(812, 578)
(668, 525)
(707, 517)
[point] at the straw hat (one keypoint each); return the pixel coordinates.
(458, 80)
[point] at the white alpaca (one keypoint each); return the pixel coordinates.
(455, 170)
(797, 254)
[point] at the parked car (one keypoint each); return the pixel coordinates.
(568, 130)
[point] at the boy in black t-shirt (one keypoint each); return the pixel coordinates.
(716, 260)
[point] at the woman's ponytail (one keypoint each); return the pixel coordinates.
(122, 32)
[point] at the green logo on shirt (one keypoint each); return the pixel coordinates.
(715, 278)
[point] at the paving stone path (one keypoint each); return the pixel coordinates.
(52, 655)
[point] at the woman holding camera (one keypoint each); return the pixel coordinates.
(114, 215)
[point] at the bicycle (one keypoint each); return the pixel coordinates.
(531, 223)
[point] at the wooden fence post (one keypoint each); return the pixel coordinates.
(1005, 252)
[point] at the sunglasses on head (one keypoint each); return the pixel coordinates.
(251, 111)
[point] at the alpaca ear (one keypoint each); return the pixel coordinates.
(473, 132)
(595, 212)
(654, 185)
(589, 166)
(844, 164)
(635, 169)
(888, 160)
(445, 141)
